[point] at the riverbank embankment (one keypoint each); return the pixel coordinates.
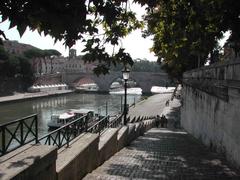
(26, 96)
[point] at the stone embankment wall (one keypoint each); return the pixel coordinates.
(210, 107)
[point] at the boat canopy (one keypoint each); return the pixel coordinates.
(66, 115)
(81, 111)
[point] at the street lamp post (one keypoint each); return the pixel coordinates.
(125, 73)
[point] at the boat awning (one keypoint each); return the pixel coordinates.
(81, 111)
(66, 115)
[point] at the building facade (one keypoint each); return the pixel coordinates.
(51, 65)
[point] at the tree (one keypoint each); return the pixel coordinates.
(26, 71)
(94, 22)
(36, 55)
(50, 54)
(185, 31)
(3, 54)
(39, 56)
(145, 66)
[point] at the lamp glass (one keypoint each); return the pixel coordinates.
(126, 74)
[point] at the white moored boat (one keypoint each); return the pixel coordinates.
(59, 120)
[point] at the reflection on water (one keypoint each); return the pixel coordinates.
(49, 103)
(47, 106)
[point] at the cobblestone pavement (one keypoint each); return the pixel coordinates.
(165, 154)
(152, 106)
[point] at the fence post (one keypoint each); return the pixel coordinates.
(3, 141)
(86, 123)
(99, 128)
(99, 111)
(106, 108)
(36, 128)
(21, 132)
(68, 137)
(121, 104)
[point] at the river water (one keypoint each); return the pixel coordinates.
(47, 106)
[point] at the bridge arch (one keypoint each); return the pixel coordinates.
(145, 80)
(86, 83)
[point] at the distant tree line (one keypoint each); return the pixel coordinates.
(13, 65)
(20, 65)
(141, 65)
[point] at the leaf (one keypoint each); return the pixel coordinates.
(21, 29)
(4, 18)
(12, 24)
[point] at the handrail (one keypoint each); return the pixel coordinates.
(66, 133)
(99, 126)
(62, 127)
(18, 133)
(17, 120)
(21, 131)
(104, 123)
(116, 122)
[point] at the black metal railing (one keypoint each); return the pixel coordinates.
(25, 130)
(116, 122)
(18, 133)
(63, 135)
(99, 126)
(106, 122)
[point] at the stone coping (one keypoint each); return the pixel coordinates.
(24, 158)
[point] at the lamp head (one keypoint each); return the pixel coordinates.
(126, 73)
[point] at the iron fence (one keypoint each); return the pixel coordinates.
(63, 135)
(25, 130)
(99, 126)
(117, 121)
(18, 133)
(106, 122)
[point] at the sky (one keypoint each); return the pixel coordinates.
(134, 43)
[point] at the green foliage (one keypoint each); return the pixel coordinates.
(145, 66)
(10, 67)
(185, 32)
(140, 65)
(16, 66)
(94, 22)
(34, 53)
(3, 54)
(26, 70)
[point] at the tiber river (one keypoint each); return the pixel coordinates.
(45, 107)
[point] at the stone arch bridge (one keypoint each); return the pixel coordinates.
(145, 80)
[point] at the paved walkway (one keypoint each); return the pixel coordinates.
(165, 154)
(152, 106)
